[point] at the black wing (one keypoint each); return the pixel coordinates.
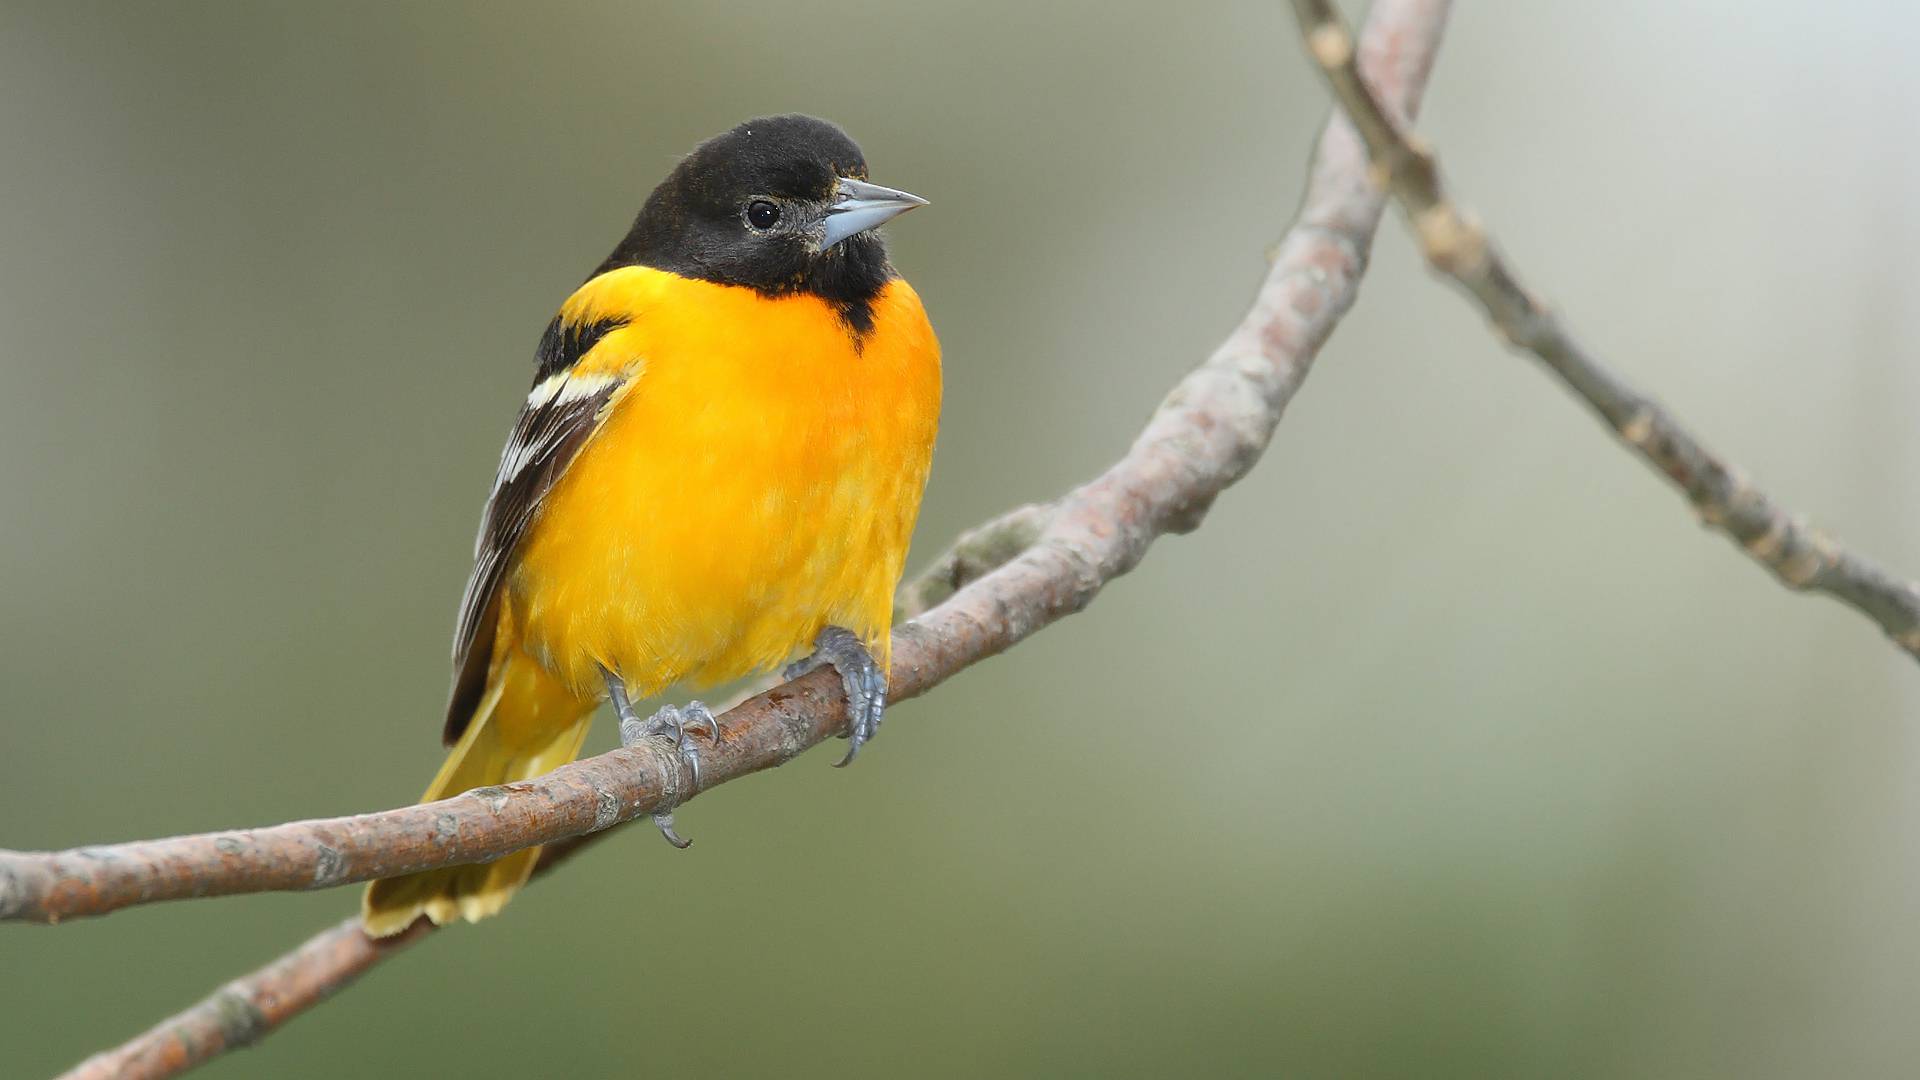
(562, 412)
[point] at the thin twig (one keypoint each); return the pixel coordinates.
(1801, 556)
(1208, 432)
(242, 1011)
(249, 1007)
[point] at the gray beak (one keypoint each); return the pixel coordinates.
(858, 206)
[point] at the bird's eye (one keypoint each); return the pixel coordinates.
(762, 214)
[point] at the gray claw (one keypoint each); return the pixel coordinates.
(673, 722)
(702, 717)
(860, 675)
(664, 822)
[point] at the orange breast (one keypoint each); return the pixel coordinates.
(758, 478)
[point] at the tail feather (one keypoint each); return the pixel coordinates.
(525, 725)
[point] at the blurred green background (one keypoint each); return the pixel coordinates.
(1449, 745)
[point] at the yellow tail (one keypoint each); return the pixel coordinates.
(526, 724)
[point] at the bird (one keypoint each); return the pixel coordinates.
(718, 468)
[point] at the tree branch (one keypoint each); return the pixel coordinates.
(581, 798)
(1802, 557)
(1206, 434)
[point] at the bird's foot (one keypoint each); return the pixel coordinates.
(865, 683)
(674, 723)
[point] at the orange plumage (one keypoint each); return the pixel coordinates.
(801, 457)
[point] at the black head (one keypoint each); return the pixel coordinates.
(779, 205)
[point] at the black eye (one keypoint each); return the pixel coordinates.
(762, 214)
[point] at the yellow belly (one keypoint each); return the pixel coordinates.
(757, 480)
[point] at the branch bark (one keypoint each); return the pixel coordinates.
(1206, 434)
(1801, 556)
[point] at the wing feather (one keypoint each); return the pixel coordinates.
(562, 412)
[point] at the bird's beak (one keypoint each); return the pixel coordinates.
(858, 206)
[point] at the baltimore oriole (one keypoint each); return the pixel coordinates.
(719, 464)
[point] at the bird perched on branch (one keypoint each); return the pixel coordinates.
(718, 466)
